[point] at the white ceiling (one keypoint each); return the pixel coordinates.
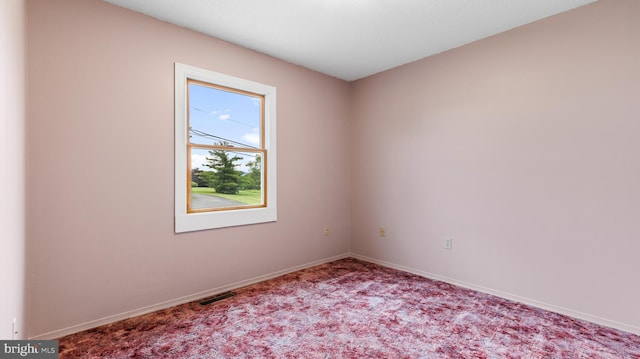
(350, 39)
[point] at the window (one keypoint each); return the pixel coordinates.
(225, 153)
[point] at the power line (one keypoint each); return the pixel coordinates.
(229, 119)
(208, 135)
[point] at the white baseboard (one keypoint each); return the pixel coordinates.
(532, 302)
(178, 301)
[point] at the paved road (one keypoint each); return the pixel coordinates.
(199, 201)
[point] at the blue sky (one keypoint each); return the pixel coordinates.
(226, 115)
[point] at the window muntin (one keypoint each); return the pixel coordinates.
(204, 126)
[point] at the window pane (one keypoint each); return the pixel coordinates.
(217, 116)
(224, 179)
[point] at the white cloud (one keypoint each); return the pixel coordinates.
(198, 161)
(253, 137)
(224, 116)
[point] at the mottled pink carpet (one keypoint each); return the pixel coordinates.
(352, 309)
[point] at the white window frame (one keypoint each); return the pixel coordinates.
(187, 222)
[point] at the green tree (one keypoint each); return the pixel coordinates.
(253, 178)
(225, 178)
(200, 177)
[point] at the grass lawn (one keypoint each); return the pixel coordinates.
(251, 196)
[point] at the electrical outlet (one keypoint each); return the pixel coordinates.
(383, 232)
(448, 243)
(326, 231)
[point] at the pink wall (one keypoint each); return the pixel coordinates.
(12, 164)
(523, 148)
(100, 167)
